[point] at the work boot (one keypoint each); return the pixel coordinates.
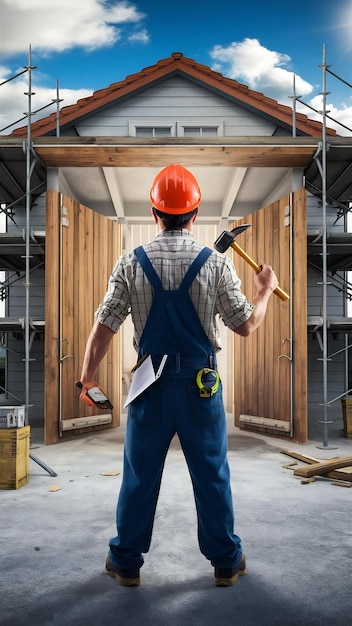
(125, 577)
(227, 577)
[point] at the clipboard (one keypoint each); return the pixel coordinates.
(144, 376)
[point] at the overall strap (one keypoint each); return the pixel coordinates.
(189, 276)
(148, 268)
(194, 268)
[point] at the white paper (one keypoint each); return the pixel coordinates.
(143, 377)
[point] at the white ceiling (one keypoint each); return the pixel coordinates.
(227, 192)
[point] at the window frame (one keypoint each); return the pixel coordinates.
(219, 125)
(133, 125)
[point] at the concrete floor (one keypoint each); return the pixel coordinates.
(297, 540)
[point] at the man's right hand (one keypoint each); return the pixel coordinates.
(93, 395)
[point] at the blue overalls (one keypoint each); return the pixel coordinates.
(169, 406)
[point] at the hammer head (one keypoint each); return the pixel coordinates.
(226, 238)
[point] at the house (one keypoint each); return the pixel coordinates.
(89, 200)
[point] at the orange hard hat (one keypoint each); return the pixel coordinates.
(175, 190)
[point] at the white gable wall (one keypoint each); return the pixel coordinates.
(180, 102)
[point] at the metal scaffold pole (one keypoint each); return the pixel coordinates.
(325, 283)
(29, 169)
(28, 145)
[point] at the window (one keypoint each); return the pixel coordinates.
(200, 131)
(204, 130)
(152, 129)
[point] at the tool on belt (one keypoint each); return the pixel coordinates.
(93, 395)
(208, 382)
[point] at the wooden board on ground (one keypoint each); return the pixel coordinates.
(323, 467)
(344, 473)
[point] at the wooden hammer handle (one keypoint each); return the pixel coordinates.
(279, 292)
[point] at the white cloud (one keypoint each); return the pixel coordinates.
(261, 69)
(270, 73)
(55, 26)
(58, 25)
(142, 36)
(14, 101)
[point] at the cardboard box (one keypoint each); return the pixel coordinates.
(14, 457)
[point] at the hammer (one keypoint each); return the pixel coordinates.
(227, 238)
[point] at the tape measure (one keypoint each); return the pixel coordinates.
(206, 391)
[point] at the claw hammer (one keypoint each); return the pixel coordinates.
(227, 239)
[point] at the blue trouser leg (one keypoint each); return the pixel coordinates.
(148, 435)
(203, 435)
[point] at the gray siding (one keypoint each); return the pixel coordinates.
(336, 367)
(315, 216)
(16, 307)
(180, 101)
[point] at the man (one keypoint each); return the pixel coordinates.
(173, 288)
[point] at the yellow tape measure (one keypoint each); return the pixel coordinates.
(204, 390)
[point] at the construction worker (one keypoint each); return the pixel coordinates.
(173, 288)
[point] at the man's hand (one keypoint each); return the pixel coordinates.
(266, 279)
(93, 395)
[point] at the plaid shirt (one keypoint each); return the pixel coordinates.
(216, 289)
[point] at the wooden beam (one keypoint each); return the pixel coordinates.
(323, 467)
(159, 156)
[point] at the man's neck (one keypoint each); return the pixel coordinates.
(163, 227)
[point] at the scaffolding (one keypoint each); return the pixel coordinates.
(30, 164)
(320, 158)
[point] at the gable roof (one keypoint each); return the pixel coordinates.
(176, 64)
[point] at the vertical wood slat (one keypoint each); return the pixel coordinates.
(261, 232)
(246, 242)
(91, 244)
(67, 309)
(299, 315)
(52, 317)
(268, 392)
(78, 280)
(271, 389)
(281, 321)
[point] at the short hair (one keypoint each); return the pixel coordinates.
(175, 221)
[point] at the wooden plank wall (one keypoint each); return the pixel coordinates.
(262, 366)
(90, 245)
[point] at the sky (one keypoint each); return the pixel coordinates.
(86, 46)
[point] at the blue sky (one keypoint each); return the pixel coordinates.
(89, 45)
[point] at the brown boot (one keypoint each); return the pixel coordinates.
(125, 577)
(227, 577)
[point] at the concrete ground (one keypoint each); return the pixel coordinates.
(297, 539)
